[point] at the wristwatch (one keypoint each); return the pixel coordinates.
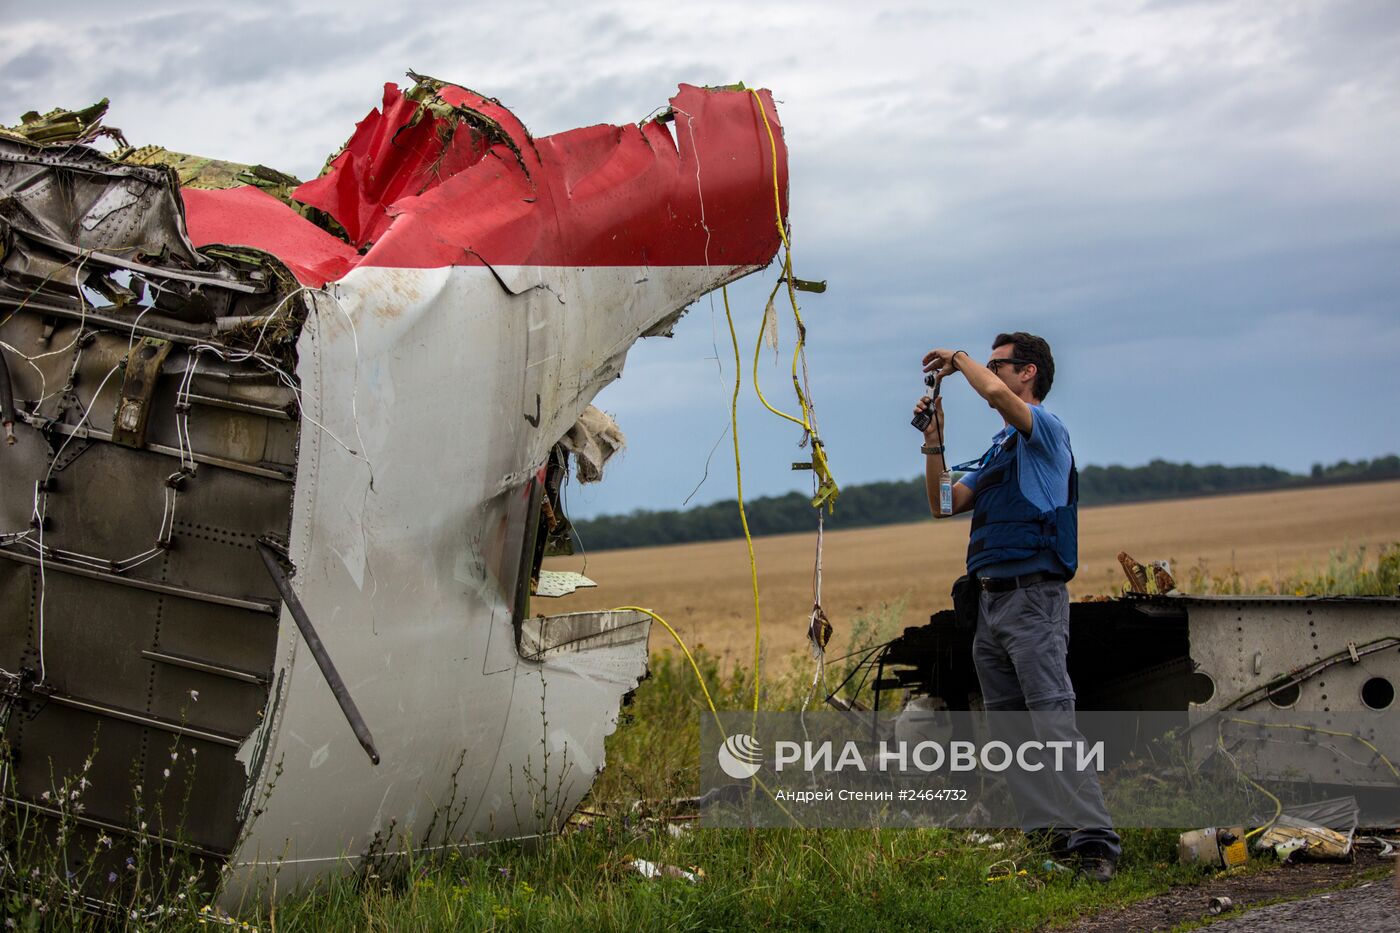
(931, 450)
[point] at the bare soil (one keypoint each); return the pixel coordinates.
(704, 590)
(1189, 903)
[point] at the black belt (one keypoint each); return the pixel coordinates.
(1002, 584)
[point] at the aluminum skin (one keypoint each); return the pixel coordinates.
(449, 296)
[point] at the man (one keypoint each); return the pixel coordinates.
(1023, 548)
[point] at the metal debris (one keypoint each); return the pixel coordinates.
(1217, 848)
(659, 870)
(377, 370)
(1292, 836)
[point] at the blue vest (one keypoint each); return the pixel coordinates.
(1007, 526)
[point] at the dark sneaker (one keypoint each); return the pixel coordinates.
(1095, 862)
(1097, 869)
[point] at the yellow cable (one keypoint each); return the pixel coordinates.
(684, 650)
(772, 144)
(1278, 804)
(709, 700)
(757, 350)
(826, 483)
(1341, 735)
(739, 487)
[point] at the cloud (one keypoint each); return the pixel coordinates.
(1147, 185)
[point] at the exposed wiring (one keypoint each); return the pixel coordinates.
(1278, 804)
(827, 488)
(706, 473)
(1239, 769)
(1321, 731)
(757, 352)
(824, 487)
(354, 391)
(1293, 678)
(76, 257)
(33, 538)
(709, 700)
(39, 513)
(743, 516)
(699, 678)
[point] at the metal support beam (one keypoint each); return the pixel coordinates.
(194, 664)
(54, 563)
(144, 719)
(284, 474)
(318, 650)
(108, 826)
(266, 411)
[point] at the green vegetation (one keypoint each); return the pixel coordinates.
(764, 879)
(887, 503)
(797, 879)
(1346, 573)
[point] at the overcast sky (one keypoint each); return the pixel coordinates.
(1197, 204)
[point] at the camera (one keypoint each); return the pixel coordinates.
(923, 418)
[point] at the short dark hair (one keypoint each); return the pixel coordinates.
(1035, 350)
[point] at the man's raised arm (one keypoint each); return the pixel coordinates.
(985, 383)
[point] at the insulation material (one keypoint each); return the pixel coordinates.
(592, 440)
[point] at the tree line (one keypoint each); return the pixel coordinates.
(886, 503)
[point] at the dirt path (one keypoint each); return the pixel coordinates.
(1352, 910)
(703, 589)
(1372, 907)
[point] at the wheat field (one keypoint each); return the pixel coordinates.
(704, 589)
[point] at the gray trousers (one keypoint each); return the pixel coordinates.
(1020, 651)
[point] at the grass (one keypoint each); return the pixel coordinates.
(1348, 572)
(808, 879)
(778, 879)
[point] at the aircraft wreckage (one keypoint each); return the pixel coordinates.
(283, 460)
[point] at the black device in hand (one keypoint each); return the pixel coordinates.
(922, 419)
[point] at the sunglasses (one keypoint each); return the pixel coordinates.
(994, 365)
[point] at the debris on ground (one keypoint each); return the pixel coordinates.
(1290, 836)
(1217, 847)
(1324, 829)
(1189, 903)
(1219, 904)
(659, 870)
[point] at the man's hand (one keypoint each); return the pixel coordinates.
(933, 434)
(941, 361)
